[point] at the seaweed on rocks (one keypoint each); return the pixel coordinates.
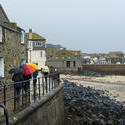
(87, 106)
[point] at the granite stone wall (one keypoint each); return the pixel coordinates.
(12, 51)
(118, 69)
(48, 111)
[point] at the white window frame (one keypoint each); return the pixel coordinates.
(1, 34)
(22, 37)
(1, 67)
(38, 44)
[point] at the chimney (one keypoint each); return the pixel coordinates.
(30, 30)
(30, 33)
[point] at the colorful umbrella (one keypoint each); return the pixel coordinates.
(15, 70)
(34, 67)
(29, 68)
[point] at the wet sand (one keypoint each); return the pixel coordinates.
(114, 84)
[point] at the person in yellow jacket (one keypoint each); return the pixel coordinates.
(45, 71)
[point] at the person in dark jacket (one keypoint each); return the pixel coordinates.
(26, 84)
(35, 74)
(17, 78)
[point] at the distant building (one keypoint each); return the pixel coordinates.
(102, 61)
(86, 60)
(66, 60)
(12, 46)
(36, 45)
(95, 60)
(52, 49)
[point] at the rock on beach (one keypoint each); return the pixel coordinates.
(87, 106)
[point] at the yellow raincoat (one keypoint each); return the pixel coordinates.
(45, 69)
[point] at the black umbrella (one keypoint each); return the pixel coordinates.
(15, 70)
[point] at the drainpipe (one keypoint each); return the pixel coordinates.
(30, 43)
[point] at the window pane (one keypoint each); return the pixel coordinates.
(22, 36)
(1, 67)
(0, 34)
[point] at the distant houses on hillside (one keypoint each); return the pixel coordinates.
(110, 58)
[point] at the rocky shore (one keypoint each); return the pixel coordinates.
(88, 106)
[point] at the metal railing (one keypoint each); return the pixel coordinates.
(5, 113)
(32, 90)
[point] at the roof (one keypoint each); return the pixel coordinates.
(4, 21)
(3, 15)
(59, 57)
(35, 36)
(70, 51)
(62, 57)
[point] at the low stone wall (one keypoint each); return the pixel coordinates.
(67, 70)
(105, 68)
(48, 111)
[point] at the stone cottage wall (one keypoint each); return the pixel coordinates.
(48, 111)
(12, 51)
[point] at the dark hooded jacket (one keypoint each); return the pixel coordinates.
(18, 78)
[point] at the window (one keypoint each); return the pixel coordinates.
(68, 64)
(35, 43)
(22, 37)
(1, 67)
(74, 64)
(1, 34)
(38, 44)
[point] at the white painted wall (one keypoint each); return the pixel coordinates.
(36, 56)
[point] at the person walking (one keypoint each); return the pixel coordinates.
(26, 88)
(17, 78)
(45, 71)
(35, 74)
(26, 84)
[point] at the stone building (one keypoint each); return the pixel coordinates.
(36, 48)
(12, 46)
(66, 60)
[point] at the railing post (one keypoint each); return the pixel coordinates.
(29, 91)
(14, 97)
(43, 84)
(22, 93)
(5, 113)
(46, 84)
(54, 80)
(49, 83)
(5, 95)
(39, 87)
(52, 77)
(34, 89)
(58, 78)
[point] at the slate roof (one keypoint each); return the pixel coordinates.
(4, 21)
(3, 15)
(35, 36)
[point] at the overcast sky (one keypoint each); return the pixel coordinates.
(87, 25)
